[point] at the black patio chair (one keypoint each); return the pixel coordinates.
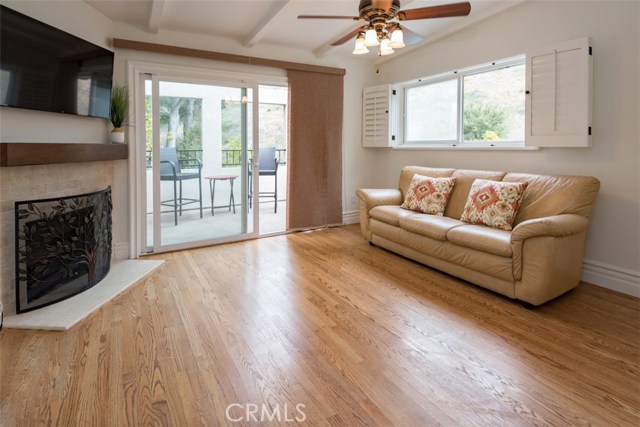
(268, 166)
(171, 170)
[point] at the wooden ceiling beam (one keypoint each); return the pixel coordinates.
(155, 16)
(270, 21)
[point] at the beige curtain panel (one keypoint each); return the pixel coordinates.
(314, 191)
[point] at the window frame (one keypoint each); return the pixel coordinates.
(457, 75)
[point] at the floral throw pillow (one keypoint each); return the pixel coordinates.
(428, 195)
(493, 203)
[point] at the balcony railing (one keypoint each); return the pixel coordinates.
(182, 155)
(234, 157)
(230, 158)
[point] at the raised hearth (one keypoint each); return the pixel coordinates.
(65, 314)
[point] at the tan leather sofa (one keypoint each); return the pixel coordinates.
(540, 259)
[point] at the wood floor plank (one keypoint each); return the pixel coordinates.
(356, 334)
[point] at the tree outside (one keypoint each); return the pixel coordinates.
(484, 123)
(180, 123)
(273, 131)
(272, 125)
(494, 105)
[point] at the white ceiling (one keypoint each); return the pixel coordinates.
(274, 22)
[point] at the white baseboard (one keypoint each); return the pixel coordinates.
(611, 277)
(121, 250)
(352, 217)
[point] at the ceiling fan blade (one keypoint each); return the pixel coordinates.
(354, 18)
(443, 11)
(351, 36)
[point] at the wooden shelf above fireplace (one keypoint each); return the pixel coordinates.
(25, 154)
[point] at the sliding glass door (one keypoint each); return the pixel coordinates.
(194, 195)
(273, 167)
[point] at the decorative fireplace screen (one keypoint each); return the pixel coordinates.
(63, 247)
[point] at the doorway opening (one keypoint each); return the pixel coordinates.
(204, 174)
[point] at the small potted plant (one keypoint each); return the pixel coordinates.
(119, 112)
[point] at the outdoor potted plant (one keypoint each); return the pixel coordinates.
(119, 112)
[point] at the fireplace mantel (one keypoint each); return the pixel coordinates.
(25, 154)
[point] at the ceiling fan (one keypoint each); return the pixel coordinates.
(384, 17)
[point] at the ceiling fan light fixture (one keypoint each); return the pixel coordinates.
(397, 39)
(383, 17)
(385, 48)
(371, 37)
(360, 48)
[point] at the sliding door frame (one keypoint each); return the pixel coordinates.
(137, 73)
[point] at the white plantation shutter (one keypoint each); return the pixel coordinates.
(558, 106)
(376, 123)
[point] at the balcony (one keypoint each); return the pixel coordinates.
(224, 222)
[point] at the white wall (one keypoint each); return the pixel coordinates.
(613, 246)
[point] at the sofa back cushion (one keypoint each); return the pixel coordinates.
(428, 195)
(406, 175)
(493, 203)
(464, 180)
(548, 195)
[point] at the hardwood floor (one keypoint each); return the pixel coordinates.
(358, 335)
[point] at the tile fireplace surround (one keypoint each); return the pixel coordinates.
(40, 182)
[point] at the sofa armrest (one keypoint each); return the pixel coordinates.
(554, 226)
(369, 199)
(549, 266)
(378, 197)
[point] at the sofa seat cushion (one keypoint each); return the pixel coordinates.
(432, 226)
(390, 214)
(482, 238)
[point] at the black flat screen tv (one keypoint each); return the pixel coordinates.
(44, 68)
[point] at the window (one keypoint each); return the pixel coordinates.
(432, 112)
(493, 105)
(542, 99)
(483, 105)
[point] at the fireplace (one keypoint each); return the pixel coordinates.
(63, 247)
